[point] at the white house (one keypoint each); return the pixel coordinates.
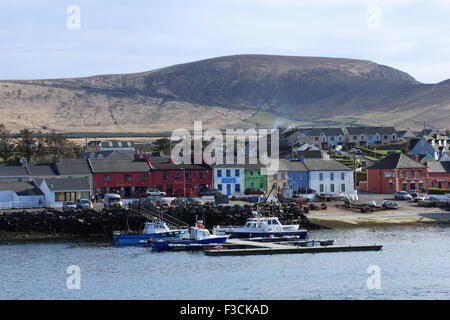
(59, 190)
(329, 177)
(20, 195)
(229, 179)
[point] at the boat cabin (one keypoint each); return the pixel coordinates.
(155, 227)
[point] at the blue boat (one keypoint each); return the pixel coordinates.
(151, 230)
(263, 227)
(196, 236)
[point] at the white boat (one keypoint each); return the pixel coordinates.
(262, 227)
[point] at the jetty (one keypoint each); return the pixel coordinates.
(250, 247)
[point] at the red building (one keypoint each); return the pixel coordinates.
(439, 173)
(397, 172)
(174, 179)
(129, 178)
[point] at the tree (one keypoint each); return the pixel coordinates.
(26, 143)
(163, 145)
(6, 144)
(59, 146)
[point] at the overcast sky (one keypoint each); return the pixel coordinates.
(139, 35)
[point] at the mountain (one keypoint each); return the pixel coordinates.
(231, 91)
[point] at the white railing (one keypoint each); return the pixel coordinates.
(21, 205)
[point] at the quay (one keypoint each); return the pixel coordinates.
(255, 248)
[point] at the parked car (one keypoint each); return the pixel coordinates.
(84, 204)
(355, 151)
(402, 195)
(69, 206)
(211, 192)
(413, 194)
(155, 192)
(112, 200)
(253, 191)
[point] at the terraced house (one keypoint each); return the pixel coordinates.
(255, 177)
(364, 136)
(397, 172)
(329, 177)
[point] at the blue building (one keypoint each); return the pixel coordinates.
(298, 176)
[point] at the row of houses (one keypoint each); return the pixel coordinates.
(68, 180)
(332, 137)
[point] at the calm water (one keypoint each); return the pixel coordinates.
(414, 264)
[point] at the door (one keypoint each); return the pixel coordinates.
(228, 189)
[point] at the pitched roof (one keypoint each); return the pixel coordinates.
(309, 154)
(110, 155)
(99, 166)
(435, 167)
(325, 131)
(41, 169)
(21, 188)
(77, 166)
(68, 184)
(12, 170)
(325, 165)
(370, 130)
(396, 161)
(173, 166)
(290, 165)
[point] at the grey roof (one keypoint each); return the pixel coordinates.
(436, 167)
(116, 144)
(110, 155)
(77, 166)
(370, 130)
(325, 131)
(309, 154)
(396, 161)
(290, 165)
(325, 165)
(41, 169)
(21, 188)
(12, 170)
(173, 166)
(68, 184)
(98, 166)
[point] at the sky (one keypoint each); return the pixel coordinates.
(42, 39)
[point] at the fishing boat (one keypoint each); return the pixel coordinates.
(262, 227)
(196, 236)
(151, 230)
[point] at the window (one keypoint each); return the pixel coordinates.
(321, 188)
(219, 173)
(261, 185)
(420, 186)
(412, 173)
(228, 173)
(388, 174)
(237, 173)
(355, 137)
(391, 185)
(283, 175)
(144, 177)
(332, 187)
(252, 184)
(385, 137)
(202, 174)
(342, 176)
(106, 178)
(404, 187)
(321, 176)
(251, 173)
(187, 174)
(127, 178)
(237, 187)
(404, 173)
(165, 175)
(259, 172)
(219, 187)
(332, 176)
(159, 187)
(332, 138)
(420, 173)
(275, 176)
(169, 189)
(343, 187)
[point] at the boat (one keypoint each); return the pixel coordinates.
(151, 230)
(387, 204)
(196, 236)
(262, 227)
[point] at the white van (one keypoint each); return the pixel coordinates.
(112, 200)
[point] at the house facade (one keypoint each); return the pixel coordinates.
(329, 177)
(439, 174)
(172, 178)
(229, 179)
(20, 195)
(364, 136)
(59, 190)
(255, 177)
(397, 172)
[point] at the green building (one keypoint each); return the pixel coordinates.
(255, 177)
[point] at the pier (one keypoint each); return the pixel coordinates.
(249, 247)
